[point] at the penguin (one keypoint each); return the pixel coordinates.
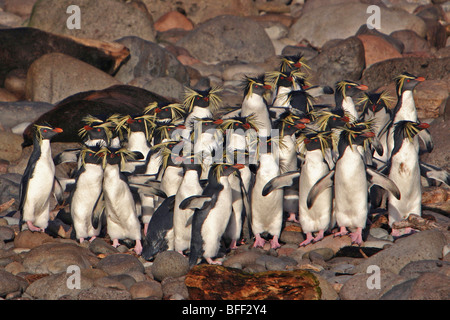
(212, 212)
(404, 170)
(120, 210)
(344, 93)
(100, 129)
(160, 235)
(318, 218)
(164, 113)
(255, 104)
(351, 184)
(201, 104)
(405, 109)
(376, 108)
(294, 64)
(38, 180)
(266, 212)
(86, 196)
(281, 84)
(189, 186)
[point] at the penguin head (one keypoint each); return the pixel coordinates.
(360, 134)
(317, 140)
(408, 129)
(289, 63)
(347, 88)
(202, 98)
(406, 81)
(290, 123)
(374, 102)
(224, 169)
(46, 132)
(255, 85)
(326, 120)
(165, 112)
(91, 155)
(99, 127)
(136, 123)
(115, 156)
(169, 131)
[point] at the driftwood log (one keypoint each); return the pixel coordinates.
(208, 282)
(20, 47)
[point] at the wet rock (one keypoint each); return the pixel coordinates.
(149, 59)
(47, 15)
(341, 60)
(228, 38)
(120, 263)
(56, 76)
(216, 282)
(169, 264)
(57, 257)
(419, 246)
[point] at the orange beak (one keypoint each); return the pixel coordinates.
(420, 79)
(267, 87)
(58, 130)
(305, 120)
(369, 134)
(238, 166)
(300, 126)
(423, 126)
(362, 87)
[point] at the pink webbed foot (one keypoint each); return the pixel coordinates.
(259, 242)
(211, 261)
(357, 236)
(92, 239)
(319, 236)
(115, 243)
(33, 228)
(342, 232)
(233, 245)
(138, 247)
(308, 240)
(402, 232)
(293, 218)
(274, 244)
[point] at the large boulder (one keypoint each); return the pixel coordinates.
(106, 20)
(149, 59)
(228, 37)
(340, 21)
(56, 76)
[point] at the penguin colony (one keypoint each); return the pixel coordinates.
(188, 176)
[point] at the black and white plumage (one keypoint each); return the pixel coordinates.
(38, 180)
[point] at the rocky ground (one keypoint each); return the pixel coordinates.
(186, 43)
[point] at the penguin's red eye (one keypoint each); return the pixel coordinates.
(139, 120)
(288, 126)
(349, 86)
(99, 129)
(407, 80)
(281, 77)
(192, 160)
(90, 154)
(45, 130)
(334, 118)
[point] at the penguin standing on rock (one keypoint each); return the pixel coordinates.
(38, 180)
(350, 180)
(212, 212)
(86, 196)
(121, 218)
(404, 170)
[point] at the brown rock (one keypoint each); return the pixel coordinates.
(7, 96)
(15, 82)
(220, 283)
(440, 157)
(10, 146)
(377, 49)
(22, 8)
(430, 97)
(30, 240)
(412, 41)
(173, 20)
(146, 289)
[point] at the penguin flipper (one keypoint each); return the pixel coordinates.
(69, 155)
(321, 185)
(195, 202)
(426, 138)
(432, 172)
(97, 212)
(148, 190)
(284, 180)
(144, 179)
(384, 182)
